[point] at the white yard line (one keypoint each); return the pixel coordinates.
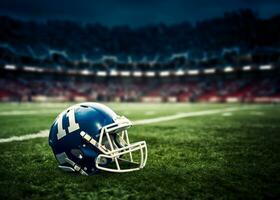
(40, 134)
(27, 112)
(257, 113)
(227, 114)
(183, 115)
(45, 133)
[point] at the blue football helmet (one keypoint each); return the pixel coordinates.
(89, 137)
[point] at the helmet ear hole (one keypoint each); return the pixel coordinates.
(102, 161)
(77, 153)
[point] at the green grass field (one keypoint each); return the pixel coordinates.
(228, 155)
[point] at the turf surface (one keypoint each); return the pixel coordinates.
(232, 155)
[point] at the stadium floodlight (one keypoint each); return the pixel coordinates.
(101, 73)
(265, 67)
(29, 68)
(10, 67)
(150, 73)
(86, 72)
(113, 72)
(179, 72)
(164, 73)
(228, 69)
(33, 69)
(125, 73)
(209, 71)
(193, 72)
(137, 73)
(246, 68)
(39, 69)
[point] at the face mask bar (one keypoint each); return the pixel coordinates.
(113, 151)
(115, 155)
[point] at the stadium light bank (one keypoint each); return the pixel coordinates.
(125, 73)
(33, 69)
(164, 73)
(246, 68)
(10, 67)
(193, 72)
(113, 72)
(86, 72)
(179, 72)
(228, 69)
(137, 73)
(101, 73)
(150, 73)
(209, 71)
(265, 67)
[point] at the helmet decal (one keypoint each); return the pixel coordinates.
(73, 125)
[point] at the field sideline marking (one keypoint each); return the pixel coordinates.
(40, 134)
(183, 115)
(45, 133)
(26, 112)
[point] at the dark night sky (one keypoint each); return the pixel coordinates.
(132, 12)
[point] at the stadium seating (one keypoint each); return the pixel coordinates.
(226, 59)
(236, 90)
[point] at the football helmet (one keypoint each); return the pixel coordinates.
(90, 137)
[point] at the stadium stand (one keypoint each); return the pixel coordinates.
(234, 58)
(234, 90)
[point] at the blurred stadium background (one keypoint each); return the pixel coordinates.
(232, 58)
(225, 146)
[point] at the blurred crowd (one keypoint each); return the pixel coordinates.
(239, 42)
(210, 90)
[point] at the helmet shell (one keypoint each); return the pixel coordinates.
(90, 117)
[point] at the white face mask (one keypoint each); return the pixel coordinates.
(115, 146)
